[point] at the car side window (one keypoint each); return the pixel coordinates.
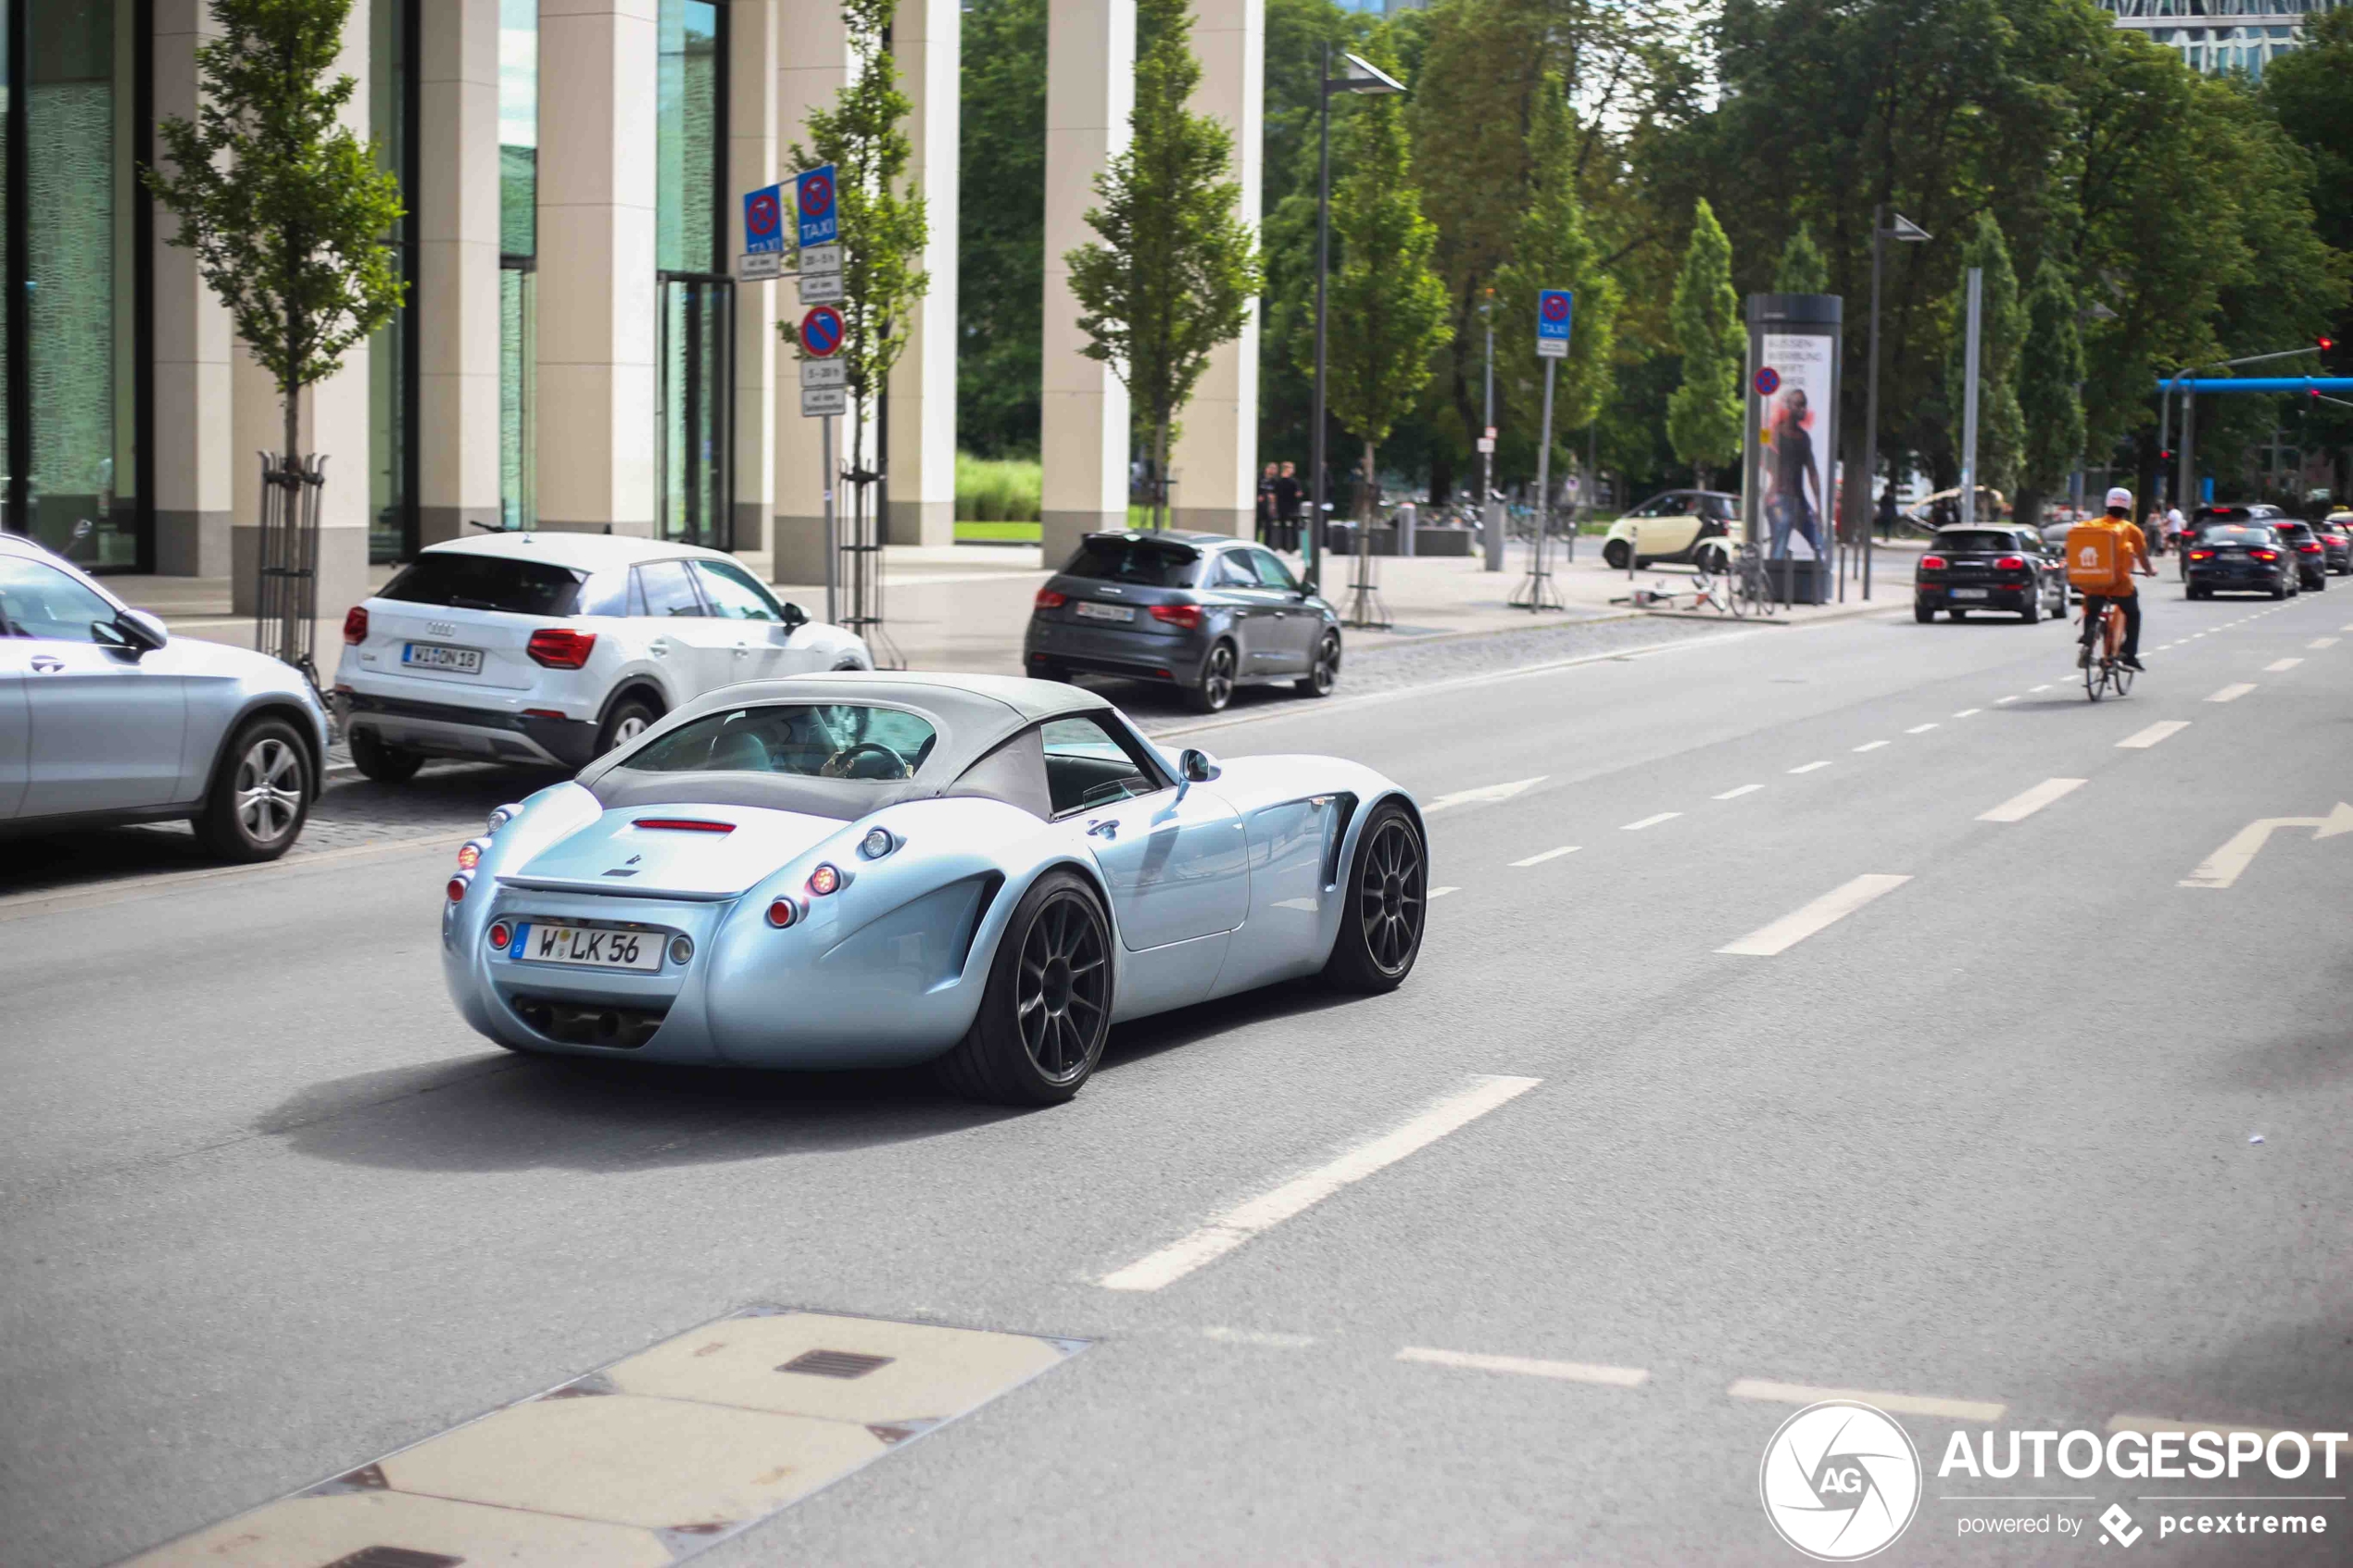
(1234, 572)
(1272, 573)
(41, 601)
(663, 588)
(735, 594)
(605, 593)
(1086, 765)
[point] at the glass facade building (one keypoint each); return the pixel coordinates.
(696, 331)
(2219, 36)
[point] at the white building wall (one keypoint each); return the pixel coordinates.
(1215, 461)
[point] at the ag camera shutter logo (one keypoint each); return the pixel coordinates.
(1841, 1480)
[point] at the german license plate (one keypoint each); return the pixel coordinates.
(588, 947)
(1091, 611)
(1969, 593)
(433, 656)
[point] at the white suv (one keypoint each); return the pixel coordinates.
(554, 648)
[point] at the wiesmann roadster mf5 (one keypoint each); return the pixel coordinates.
(877, 870)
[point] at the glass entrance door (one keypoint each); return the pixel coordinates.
(694, 408)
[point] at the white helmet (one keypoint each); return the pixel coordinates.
(2120, 496)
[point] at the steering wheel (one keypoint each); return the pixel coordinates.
(838, 765)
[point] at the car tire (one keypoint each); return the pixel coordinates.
(1614, 553)
(386, 764)
(626, 720)
(1958, 614)
(1056, 949)
(2280, 592)
(1922, 613)
(1324, 673)
(1384, 905)
(1050, 672)
(1219, 671)
(260, 793)
(2034, 610)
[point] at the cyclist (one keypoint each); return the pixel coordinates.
(2131, 556)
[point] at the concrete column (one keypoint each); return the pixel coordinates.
(192, 478)
(925, 36)
(751, 163)
(456, 293)
(812, 62)
(1091, 90)
(597, 288)
(333, 423)
(1215, 459)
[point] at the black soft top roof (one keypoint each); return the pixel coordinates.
(973, 716)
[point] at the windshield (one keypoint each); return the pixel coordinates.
(471, 582)
(1148, 563)
(828, 740)
(2236, 534)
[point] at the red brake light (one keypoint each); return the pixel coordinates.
(2311, 549)
(501, 935)
(2201, 555)
(2264, 555)
(355, 624)
(1048, 599)
(1931, 563)
(1186, 616)
(457, 888)
(2010, 563)
(783, 912)
(824, 880)
(561, 647)
(682, 825)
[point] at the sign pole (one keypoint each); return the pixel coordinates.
(1969, 397)
(1555, 314)
(833, 539)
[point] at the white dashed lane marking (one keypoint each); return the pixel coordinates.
(1547, 855)
(1923, 728)
(1999, 700)
(2164, 729)
(2232, 693)
(1650, 822)
(2025, 804)
(2044, 687)
(1870, 746)
(2280, 666)
(1967, 711)
(1736, 792)
(1902, 1404)
(2321, 643)
(1302, 1193)
(1568, 1372)
(1827, 911)
(1810, 767)
(1441, 892)
(1484, 795)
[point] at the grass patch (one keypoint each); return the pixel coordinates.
(974, 533)
(995, 490)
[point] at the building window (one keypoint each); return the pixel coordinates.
(695, 324)
(72, 370)
(392, 352)
(518, 246)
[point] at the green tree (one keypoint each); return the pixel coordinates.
(1175, 272)
(1000, 225)
(884, 225)
(2049, 396)
(2001, 428)
(1704, 415)
(1802, 269)
(285, 209)
(1388, 309)
(1551, 251)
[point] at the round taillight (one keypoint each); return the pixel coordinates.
(457, 888)
(501, 935)
(681, 949)
(783, 912)
(468, 855)
(876, 844)
(824, 880)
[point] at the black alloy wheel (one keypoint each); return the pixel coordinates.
(1215, 688)
(1388, 894)
(1047, 1010)
(1323, 674)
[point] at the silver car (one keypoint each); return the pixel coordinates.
(105, 717)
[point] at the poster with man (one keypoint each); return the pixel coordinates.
(1797, 447)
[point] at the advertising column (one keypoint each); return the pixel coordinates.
(1789, 496)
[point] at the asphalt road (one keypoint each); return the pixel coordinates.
(1985, 1139)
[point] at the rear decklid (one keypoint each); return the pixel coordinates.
(1113, 572)
(696, 852)
(466, 619)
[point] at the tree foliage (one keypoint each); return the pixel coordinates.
(287, 211)
(2001, 429)
(1551, 251)
(1176, 272)
(1704, 415)
(1000, 225)
(2050, 372)
(1802, 269)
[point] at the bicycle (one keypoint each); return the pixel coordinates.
(2107, 672)
(1752, 586)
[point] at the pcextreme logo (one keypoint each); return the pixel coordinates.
(1841, 1480)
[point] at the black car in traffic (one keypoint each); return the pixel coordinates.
(2305, 548)
(1205, 612)
(2336, 534)
(2005, 569)
(2239, 558)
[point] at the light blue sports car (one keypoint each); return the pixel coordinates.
(877, 869)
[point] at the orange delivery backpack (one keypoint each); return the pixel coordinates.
(2095, 558)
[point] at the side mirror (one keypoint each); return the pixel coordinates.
(795, 617)
(135, 630)
(1197, 767)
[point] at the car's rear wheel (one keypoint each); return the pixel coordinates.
(1922, 613)
(260, 793)
(628, 719)
(1388, 896)
(1614, 554)
(1958, 614)
(1216, 687)
(2034, 610)
(1050, 672)
(1323, 674)
(1047, 1009)
(386, 764)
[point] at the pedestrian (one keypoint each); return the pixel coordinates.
(2153, 531)
(1266, 515)
(1887, 512)
(1287, 507)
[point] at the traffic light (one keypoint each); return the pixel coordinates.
(2322, 341)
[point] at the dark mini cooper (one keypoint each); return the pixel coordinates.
(1203, 611)
(2239, 558)
(2003, 569)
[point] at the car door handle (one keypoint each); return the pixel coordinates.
(47, 664)
(1103, 827)
(743, 650)
(658, 647)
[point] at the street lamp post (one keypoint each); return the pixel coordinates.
(1904, 230)
(1358, 76)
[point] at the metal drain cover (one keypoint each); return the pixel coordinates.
(836, 1363)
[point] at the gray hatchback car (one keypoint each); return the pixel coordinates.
(105, 717)
(1205, 611)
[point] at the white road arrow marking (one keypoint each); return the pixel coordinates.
(2222, 868)
(1485, 795)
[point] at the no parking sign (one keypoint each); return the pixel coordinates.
(819, 217)
(764, 220)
